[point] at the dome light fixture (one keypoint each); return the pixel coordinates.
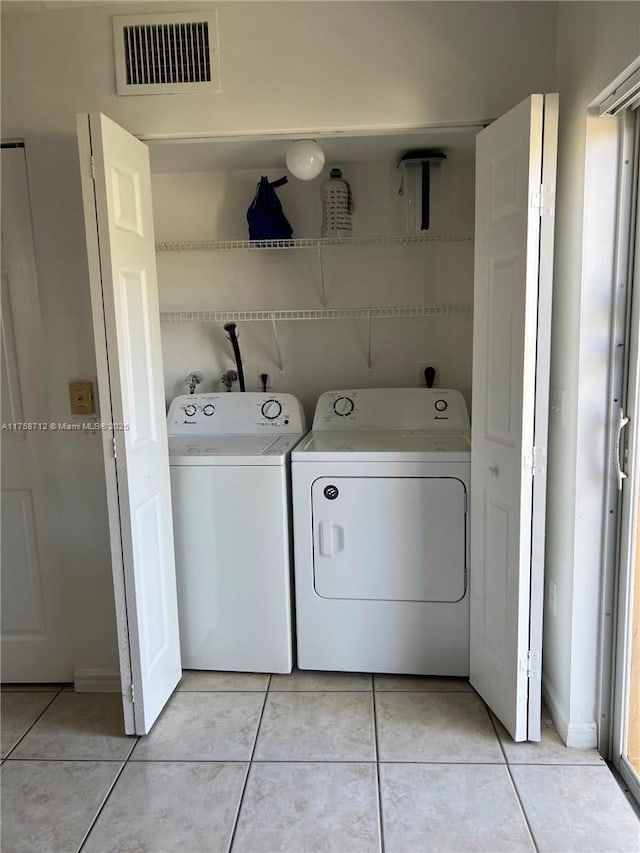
(305, 159)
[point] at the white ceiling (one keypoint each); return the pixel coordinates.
(212, 154)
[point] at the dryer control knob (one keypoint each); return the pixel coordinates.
(208, 410)
(271, 409)
(441, 405)
(343, 406)
(190, 410)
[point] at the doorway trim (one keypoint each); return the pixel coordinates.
(616, 587)
(621, 295)
(625, 567)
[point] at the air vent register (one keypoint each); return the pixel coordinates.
(166, 54)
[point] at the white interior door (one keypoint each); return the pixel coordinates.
(116, 187)
(34, 620)
(515, 188)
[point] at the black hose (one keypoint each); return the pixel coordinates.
(230, 329)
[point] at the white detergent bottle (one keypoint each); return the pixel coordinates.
(336, 206)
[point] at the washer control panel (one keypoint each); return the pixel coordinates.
(235, 413)
(432, 409)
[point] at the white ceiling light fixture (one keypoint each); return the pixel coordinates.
(305, 159)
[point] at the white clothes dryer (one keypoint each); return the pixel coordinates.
(381, 531)
(229, 458)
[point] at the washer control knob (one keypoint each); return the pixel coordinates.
(441, 405)
(271, 409)
(190, 410)
(343, 407)
(208, 410)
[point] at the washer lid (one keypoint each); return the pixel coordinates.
(381, 445)
(230, 449)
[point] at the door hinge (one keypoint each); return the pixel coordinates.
(542, 201)
(133, 695)
(113, 441)
(535, 461)
(531, 664)
(537, 199)
(93, 167)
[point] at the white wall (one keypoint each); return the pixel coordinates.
(288, 65)
(596, 41)
(303, 66)
(318, 355)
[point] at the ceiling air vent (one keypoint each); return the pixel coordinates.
(167, 54)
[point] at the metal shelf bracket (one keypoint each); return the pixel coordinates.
(323, 296)
(276, 340)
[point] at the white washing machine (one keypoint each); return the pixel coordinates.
(229, 458)
(381, 532)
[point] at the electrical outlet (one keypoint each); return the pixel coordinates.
(551, 596)
(81, 398)
(269, 371)
(421, 366)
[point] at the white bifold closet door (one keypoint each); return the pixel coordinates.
(515, 177)
(515, 190)
(116, 186)
(34, 615)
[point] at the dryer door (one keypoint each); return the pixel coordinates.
(390, 538)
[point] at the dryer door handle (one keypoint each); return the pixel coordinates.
(330, 538)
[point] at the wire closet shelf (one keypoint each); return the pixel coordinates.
(366, 313)
(309, 243)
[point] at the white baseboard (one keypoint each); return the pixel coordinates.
(575, 735)
(552, 703)
(582, 736)
(96, 681)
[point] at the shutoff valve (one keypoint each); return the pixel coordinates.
(193, 380)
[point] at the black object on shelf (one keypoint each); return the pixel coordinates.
(425, 157)
(265, 215)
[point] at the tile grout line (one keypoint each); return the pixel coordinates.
(106, 798)
(135, 761)
(378, 786)
(44, 710)
(249, 764)
(53, 688)
(513, 782)
(115, 760)
(321, 689)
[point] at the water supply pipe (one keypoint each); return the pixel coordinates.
(230, 329)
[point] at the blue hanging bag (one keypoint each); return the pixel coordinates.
(265, 215)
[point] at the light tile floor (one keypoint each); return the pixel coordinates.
(300, 763)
